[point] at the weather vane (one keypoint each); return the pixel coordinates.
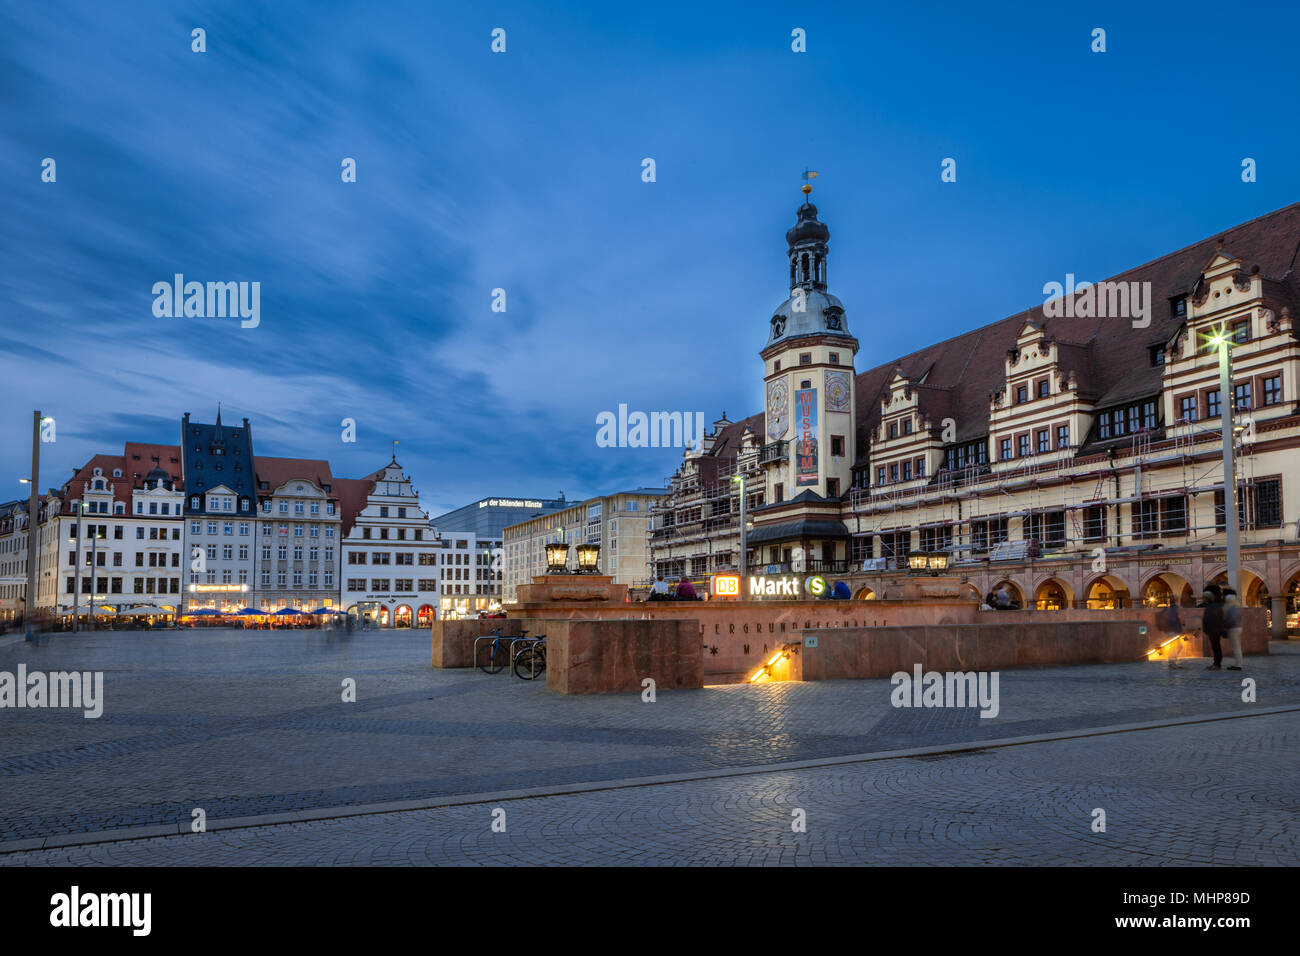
(808, 176)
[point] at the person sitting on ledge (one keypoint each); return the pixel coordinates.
(686, 590)
(1004, 600)
(659, 590)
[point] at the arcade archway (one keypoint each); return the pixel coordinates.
(1107, 593)
(1017, 595)
(1053, 595)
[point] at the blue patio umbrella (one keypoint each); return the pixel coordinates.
(287, 612)
(206, 611)
(323, 610)
(248, 611)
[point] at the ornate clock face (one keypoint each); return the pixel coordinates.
(838, 394)
(778, 408)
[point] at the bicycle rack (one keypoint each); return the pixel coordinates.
(538, 639)
(496, 637)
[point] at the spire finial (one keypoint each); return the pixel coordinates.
(808, 176)
(394, 451)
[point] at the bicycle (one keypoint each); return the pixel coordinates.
(496, 656)
(530, 660)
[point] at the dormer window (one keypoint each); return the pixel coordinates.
(1158, 355)
(117, 472)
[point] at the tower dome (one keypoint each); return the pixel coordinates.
(808, 226)
(810, 309)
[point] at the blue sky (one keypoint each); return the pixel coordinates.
(522, 171)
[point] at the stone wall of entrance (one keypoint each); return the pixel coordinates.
(607, 657)
(453, 641)
(1002, 642)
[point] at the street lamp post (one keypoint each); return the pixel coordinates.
(33, 526)
(744, 537)
(94, 550)
(76, 569)
(1223, 341)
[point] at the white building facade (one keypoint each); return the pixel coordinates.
(298, 541)
(390, 559)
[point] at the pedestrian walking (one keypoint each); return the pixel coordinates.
(1232, 625)
(1170, 623)
(1212, 623)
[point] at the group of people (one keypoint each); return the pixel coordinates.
(1221, 618)
(661, 591)
(1000, 600)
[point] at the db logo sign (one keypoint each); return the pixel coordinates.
(726, 585)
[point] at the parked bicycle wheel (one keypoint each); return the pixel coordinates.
(492, 656)
(530, 663)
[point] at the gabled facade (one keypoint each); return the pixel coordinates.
(1069, 450)
(114, 532)
(220, 501)
(390, 559)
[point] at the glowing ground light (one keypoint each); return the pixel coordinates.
(766, 669)
(1157, 650)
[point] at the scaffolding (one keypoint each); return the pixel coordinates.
(690, 516)
(1057, 484)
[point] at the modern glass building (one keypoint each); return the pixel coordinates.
(487, 518)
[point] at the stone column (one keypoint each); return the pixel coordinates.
(1278, 607)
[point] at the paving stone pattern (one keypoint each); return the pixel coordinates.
(248, 723)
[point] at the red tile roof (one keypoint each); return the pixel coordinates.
(134, 471)
(277, 471)
(352, 494)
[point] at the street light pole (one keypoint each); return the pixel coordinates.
(76, 570)
(1226, 403)
(94, 548)
(743, 535)
(33, 527)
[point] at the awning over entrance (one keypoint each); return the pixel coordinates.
(803, 529)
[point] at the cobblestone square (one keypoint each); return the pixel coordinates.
(251, 724)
